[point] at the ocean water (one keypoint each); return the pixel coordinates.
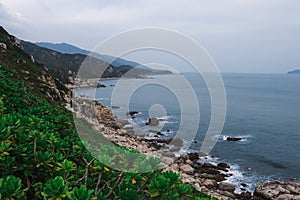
(264, 109)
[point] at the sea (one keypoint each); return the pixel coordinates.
(262, 109)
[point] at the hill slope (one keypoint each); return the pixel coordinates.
(13, 58)
(63, 65)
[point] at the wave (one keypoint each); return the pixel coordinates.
(243, 179)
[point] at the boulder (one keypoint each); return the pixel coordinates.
(184, 157)
(153, 121)
(219, 177)
(202, 154)
(100, 85)
(153, 131)
(187, 169)
(296, 197)
(131, 113)
(161, 140)
(167, 160)
(209, 170)
(159, 133)
(209, 166)
(234, 139)
(245, 196)
(276, 189)
(121, 122)
(285, 197)
(175, 149)
(209, 183)
(177, 142)
(223, 166)
(243, 184)
(193, 156)
(188, 161)
(168, 154)
(226, 187)
(196, 166)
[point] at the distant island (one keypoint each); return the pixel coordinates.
(296, 71)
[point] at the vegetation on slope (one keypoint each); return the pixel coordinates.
(14, 58)
(42, 157)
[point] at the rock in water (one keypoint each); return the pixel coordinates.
(153, 121)
(131, 113)
(234, 139)
(177, 142)
(100, 85)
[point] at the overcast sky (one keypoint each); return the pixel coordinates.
(240, 35)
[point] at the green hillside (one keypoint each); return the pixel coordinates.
(41, 155)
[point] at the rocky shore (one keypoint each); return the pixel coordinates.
(193, 168)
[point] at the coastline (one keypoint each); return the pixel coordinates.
(207, 177)
(76, 83)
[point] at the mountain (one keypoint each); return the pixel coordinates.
(63, 48)
(71, 49)
(14, 59)
(117, 62)
(296, 71)
(65, 66)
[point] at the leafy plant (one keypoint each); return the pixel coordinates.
(81, 193)
(55, 189)
(10, 188)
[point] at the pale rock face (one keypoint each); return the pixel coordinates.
(167, 161)
(296, 197)
(286, 197)
(187, 169)
(3, 45)
(17, 42)
(32, 58)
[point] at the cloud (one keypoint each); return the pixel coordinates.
(217, 24)
(10, 20)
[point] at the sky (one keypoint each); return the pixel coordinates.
(251, 36)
